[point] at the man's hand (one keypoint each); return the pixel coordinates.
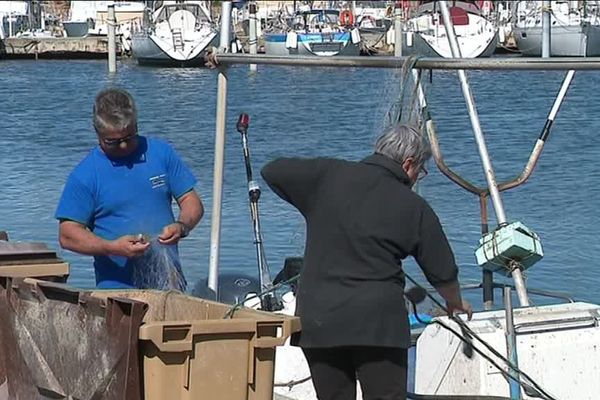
(128, 246)
(171, 234)
(463, 306)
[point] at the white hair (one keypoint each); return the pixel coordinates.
(400, 142)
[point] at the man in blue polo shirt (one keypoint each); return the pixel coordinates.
(120, 195)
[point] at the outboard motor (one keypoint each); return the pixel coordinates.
(291, 267)
(233, 288)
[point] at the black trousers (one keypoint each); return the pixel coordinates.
(381, 371)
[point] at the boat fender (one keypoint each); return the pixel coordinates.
(355, 34)
(346, 18)
(291, 40)
(409, 38)
(390, 36)
(502, 35)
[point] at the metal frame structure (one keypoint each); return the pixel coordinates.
(221, 60)
(515, 64)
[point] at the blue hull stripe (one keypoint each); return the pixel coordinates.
(310, 37)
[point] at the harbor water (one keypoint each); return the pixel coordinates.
(45, 126)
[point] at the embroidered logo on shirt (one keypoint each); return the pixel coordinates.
(158, 181)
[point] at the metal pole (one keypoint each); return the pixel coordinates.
(215, 228)
(225, 26)
(268, 302)
(546, 28)
(539, 144)
(438, 63)
(511, 346)
(485, 158)
(10, 30)
(474, 116)
(112, 45)
(397, 32)
(252, 28)
(487, 278)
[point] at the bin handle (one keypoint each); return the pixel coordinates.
(173, 338)
(282, 331)
(170, 336)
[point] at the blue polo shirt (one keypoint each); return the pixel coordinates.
(125, 196)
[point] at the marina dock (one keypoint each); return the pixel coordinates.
(51, 47)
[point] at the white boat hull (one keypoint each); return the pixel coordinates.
(565, 41)
(477, 36)
(275, 46)
(431, 46)
(557, 346)
(149, 49)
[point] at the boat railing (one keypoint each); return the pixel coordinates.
(537, 292)
(431, 63)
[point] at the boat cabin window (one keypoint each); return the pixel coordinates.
(317, 19)
(169, 10)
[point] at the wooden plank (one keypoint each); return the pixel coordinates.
(28, 260)
(34, 270)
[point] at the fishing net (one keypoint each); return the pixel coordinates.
(408, 104)
(159, 268)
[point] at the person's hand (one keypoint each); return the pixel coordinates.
(171, 234)
(463, 306)
(210, 58)
(128, 246)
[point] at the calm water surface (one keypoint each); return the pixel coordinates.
(45, 114)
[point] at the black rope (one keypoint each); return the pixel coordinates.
(533, 389)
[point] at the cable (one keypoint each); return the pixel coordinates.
(532, 388)
(465, 337)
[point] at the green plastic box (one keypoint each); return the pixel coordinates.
(510, 242)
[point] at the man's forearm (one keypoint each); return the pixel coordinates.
(78, 238)
(191, 209)
(450, 292)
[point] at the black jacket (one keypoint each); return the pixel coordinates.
(362, 219)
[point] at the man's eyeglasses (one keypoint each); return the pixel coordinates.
(422, 173)
(117, 142)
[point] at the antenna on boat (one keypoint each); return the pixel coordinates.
(268, 301)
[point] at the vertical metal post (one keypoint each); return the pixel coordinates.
(546, 28)
(253, 41)
(42, 20)
(479, 138)
(397, 32)
(487, 281)
(215, 228)
(511, 346)
(10, 30)
(225, 27)
(112, 45)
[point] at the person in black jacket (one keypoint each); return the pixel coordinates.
(362, 220)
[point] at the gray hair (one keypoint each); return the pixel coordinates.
(400, 142)
(114, 109)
